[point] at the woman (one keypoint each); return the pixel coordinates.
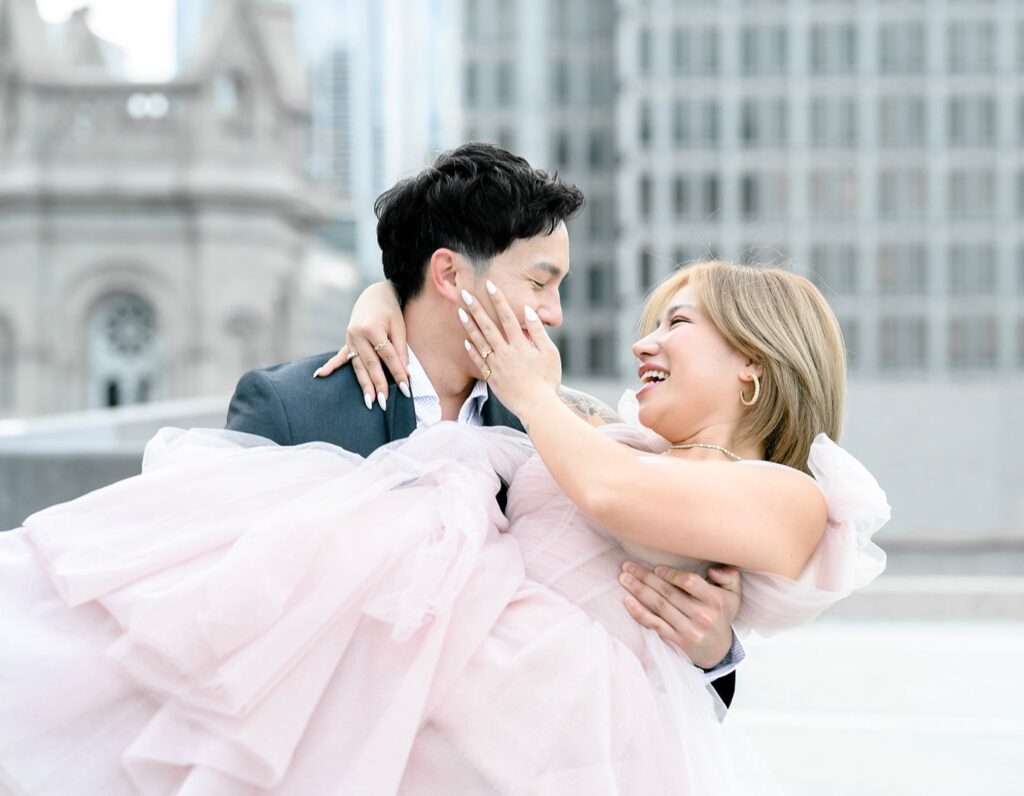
(244, 618)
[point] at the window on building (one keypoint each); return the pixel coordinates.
(834, 122)
(1020, 45)
(834, 193)
(599, 287)
(645, 196)
(902, 269)
(560, 77)
(709, 51)
(971, 121)
(505, 83)
(125, 351)
(682, 51)
(972, 193)
(681, 124)
(562, 147)
(682, 205)
(833, 49)
(835, 268)
(601, 353)
(903, 343)
(764, 50)
(645, 267)
(7, 366)
(903, 194)
(710, 194)
(470, 85)
(973, 343)
(645, 124)
(902, 48)
(764, 122)
(750, 197)
(710, 123)
(644, 50)
(972, 269)
(598, 153)
(970, 46)
(902, 121)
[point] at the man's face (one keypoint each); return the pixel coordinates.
(530, 272)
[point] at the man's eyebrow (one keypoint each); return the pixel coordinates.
(549, 268)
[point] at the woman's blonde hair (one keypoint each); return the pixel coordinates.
(782, 322)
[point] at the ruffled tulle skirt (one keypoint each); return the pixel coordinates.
(244, 619)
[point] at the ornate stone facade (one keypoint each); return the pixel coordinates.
(153, 237)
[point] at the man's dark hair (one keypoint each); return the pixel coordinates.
(476, 200)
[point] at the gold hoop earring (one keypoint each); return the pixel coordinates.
(757, 393)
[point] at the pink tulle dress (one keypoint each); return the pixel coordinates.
(244, 618)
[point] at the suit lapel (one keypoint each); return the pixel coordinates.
(400, 417)
(495, 414)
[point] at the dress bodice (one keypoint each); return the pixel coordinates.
(574, 556)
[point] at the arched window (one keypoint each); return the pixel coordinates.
(6, 366)
(125, 351)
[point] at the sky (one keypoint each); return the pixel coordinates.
(144, 29)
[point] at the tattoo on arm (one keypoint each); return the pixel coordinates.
(590, 409)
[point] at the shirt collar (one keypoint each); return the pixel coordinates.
(427, 404)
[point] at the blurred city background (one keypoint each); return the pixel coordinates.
(186, 192)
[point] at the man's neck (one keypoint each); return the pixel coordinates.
(441, 352)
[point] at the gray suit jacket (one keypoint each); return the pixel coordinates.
(286, 404)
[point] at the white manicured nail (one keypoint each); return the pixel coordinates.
(491, 288)
(469, 346)
(382, 399)
(368, 400)
(467, 298)
(463, 316)
(530, 314)
(404, 387)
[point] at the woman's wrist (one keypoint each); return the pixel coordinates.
(539, 402)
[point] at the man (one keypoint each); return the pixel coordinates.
(478, 213)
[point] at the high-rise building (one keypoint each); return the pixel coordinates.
(875, 147)
(538, 77)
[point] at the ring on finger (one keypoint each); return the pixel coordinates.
(486, 354)
(379, 346)
(487, 373)
(351, 355)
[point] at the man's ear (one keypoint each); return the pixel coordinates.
(443, 274)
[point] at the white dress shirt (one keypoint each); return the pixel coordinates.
(428, 406)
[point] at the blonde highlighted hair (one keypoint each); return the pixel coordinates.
(783, 323)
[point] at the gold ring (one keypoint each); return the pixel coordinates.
(377, 348)
(487, 373)
(351, 355)
(486, 354)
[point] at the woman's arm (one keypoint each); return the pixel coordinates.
(377, 316)
(760, 518)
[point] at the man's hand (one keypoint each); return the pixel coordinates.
(682, 607)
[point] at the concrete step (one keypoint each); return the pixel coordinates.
(937, 598)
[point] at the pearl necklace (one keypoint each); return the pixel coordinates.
(679, 446)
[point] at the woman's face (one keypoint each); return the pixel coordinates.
(690, 375)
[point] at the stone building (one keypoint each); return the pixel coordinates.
(154, 238)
